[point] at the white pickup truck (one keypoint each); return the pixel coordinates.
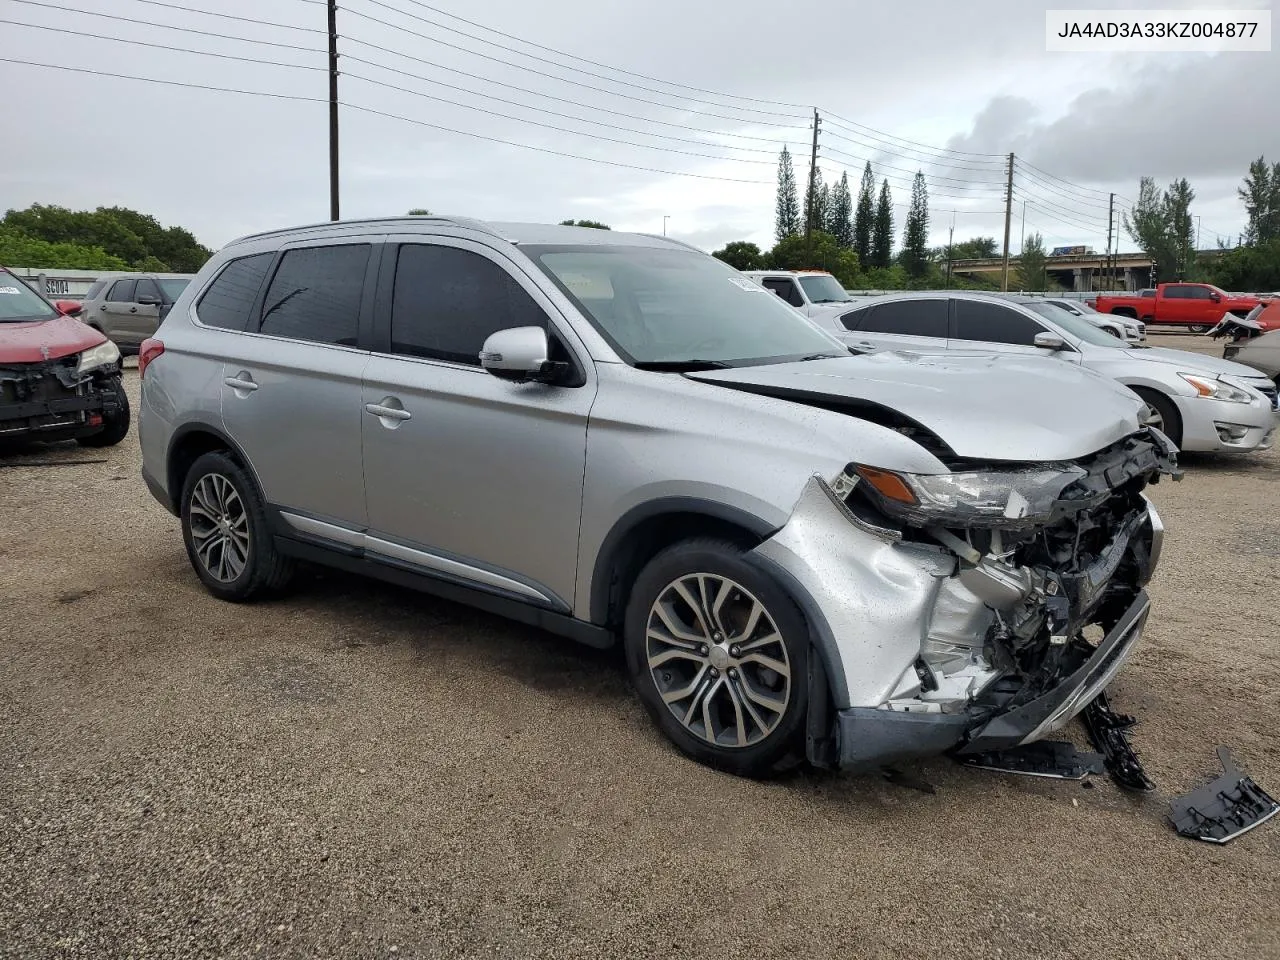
(813, 292)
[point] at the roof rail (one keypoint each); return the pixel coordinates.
(328, 224)
(681, 243)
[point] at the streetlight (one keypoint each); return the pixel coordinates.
(664, 224)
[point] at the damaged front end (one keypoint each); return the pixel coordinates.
(973, 611)
(62, 398)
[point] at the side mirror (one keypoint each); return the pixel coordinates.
(68, 308)
(146, 300)
(1049, 341)
(520, 354)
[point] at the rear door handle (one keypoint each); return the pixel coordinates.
(387, 413)
(241, 381)
(133, 309)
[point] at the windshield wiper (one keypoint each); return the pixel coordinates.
(820, 356)
(681, 366)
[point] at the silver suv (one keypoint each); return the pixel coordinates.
(805, 554)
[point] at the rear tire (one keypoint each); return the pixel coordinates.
(225, 529)
(1197, 327)
(1170, 421)
(115, 426)
(727, 680)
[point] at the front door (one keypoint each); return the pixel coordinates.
(468, 476)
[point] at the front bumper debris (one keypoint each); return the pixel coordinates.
(1223, 809)
(50, 401)
(1107, 730)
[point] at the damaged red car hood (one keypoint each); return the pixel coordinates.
(35, 340)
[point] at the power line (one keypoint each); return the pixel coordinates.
(932, 194)
(379, 113)
(554, 113)
(912, 143)
(163, 26)
(165, 46)
(907, 170)
(230, 16)
(1046, 185)
(1049, 204)
(1063, 180)
(915, 155)
(596, 63)
(564, 66)
(550, 126)
(1089, 228)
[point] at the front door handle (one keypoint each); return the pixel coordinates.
(241, 382)
(385, 412)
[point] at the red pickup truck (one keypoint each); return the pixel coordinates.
(1198, 306)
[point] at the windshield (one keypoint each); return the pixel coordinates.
(20, 302)
(661, 306)
(823, 289)
(173, 287)
(1078, 327)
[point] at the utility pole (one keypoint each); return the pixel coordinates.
(811, 196)
(1111, 213)
(950, 234)
(333, 109)
(665, 218)
(1197, 234)
(1008, 215)
(1023, 242)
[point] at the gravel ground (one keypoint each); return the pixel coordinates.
(359, 771)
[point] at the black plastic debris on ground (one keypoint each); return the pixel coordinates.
(1108, 732)
(1044, 758)
(1225, 808)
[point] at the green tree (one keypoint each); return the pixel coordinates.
(915, 236)
(20, 250)
(1260, 194)
(786, 221)
(418, 212)
(882, 229)
(840, 213)
(593, 224)
(1032, 273)
(820, 252)
(127, 234)
(740, 254)
(1160, 224)
(975, 248)
(864, 215)
(815, 202)
(1253, 267)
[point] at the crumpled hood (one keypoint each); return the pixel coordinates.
(981, 406)
(1196, 362)
(36, 340)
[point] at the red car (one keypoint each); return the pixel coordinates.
(1197, 306)
(59, 379)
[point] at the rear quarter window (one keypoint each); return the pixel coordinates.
(227, 302)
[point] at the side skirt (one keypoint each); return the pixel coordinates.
(415, 579)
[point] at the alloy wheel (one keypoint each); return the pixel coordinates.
(1151, 418)
(718, 660)
(219, 527)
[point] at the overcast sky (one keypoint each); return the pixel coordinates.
(905, 80)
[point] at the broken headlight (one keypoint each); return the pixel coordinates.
(103, 355)
(980, 498)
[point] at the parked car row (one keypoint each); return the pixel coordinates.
(1196, 306)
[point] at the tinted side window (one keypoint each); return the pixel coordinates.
(1176, 293)
(448, 301)
(95, 289)
(853, 321)
(786, 289)
(315, 294)
(994, 324)
(147, 288)
(122, 291)
(230, 297)
(1199, 293)
(914, 318)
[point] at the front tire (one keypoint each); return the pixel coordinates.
(224, 527)
(115, 426)
(1198, 327)
(719, 656)
(1164, 415)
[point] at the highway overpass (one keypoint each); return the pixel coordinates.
(1079, 272)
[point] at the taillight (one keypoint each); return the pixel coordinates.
(150, 349)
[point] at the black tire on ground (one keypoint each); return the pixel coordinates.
(115, 426)
(265, 570)
(1168, 413)
(1197, 327)
(768, 754)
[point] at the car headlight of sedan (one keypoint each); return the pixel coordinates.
(1217, 389)
(980, 498)
(103, 355)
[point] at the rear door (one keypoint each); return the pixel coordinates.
(1174, 304)
(987, 327)
(113, 313)
(291, 383)
(915, 324)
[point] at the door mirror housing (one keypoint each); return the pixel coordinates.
(521, 354)
(1049, 341)
(1215, 297)
(69, 308)
(146, 300)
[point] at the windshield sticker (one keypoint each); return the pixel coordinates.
(10, 290)
(749, 285)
